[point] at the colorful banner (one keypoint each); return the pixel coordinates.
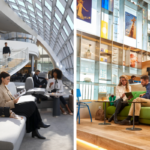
(105, 4)
(104, 29)
(133, 59)
(84, 10)
(130, 25)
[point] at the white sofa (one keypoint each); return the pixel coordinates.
(12, 130)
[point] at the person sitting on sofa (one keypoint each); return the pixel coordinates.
(55, 84)
(27, 109)
(143, 98)
(121, 89)
(37, 82)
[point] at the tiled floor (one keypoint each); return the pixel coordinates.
(59, 136)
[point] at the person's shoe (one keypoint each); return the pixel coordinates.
(125, 122)
(42, 125)
(37, 134)
(111, 118)
(116, 121)
(64, 113)
(71, 114)
(135, 123)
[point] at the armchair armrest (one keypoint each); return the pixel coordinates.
(36, 91)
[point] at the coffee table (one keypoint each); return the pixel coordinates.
(56, 103)
(133, 128)
(104, 112)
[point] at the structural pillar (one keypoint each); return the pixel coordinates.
(32, 63)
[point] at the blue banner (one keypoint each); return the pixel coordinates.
(105, 4)
(84, 10)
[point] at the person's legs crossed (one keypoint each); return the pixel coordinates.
(138, 105)
(44, 83)
(119, 106)
(64, 102)
(137, 110)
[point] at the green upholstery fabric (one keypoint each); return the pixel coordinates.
(144, 114)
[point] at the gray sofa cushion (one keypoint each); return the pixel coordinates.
(12, 132)
(29, 83)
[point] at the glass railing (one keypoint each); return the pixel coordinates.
(95, 91)
(15, 60)
(17, 36)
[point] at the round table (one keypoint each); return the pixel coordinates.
(56, 103)
(133, 128)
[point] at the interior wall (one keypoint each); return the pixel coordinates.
(144, 67)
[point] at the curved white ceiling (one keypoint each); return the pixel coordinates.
(53, 21)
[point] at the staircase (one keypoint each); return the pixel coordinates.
(16, 62)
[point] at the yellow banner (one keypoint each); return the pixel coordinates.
(104, 29)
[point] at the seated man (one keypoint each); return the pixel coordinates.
(37, 82)
(131, 81)
(143, 98)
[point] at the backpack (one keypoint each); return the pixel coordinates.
(99, 114)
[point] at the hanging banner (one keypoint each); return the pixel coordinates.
(84, 10)
(105, 4)
(104, 29)
(130, 25)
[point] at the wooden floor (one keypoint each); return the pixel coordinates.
(113, 137)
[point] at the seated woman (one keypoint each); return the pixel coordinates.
(27, 109)
(55, 84)
(121, 89)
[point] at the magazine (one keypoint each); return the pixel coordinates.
(20, 93)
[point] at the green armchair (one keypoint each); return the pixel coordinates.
(144, 114)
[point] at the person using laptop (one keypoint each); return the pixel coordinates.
(143, 98)
(121, 89)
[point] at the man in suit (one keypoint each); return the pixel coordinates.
(6, 54)
(37, 82)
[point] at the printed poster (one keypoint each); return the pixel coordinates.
(84, 10)
(133, 60)
(130, 25)
(104, 29)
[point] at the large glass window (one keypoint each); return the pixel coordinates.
(44, 63)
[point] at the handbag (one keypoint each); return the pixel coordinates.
(4, 111)
(99, 114)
